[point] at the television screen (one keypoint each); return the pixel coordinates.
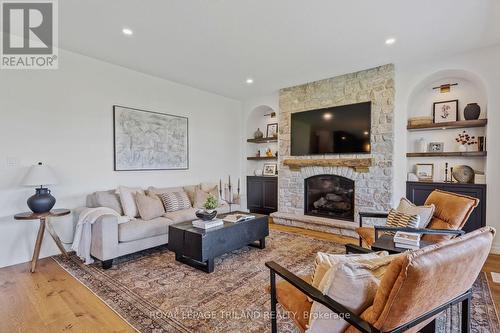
(336, 130)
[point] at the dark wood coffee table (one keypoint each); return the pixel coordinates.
(198, 247)
(386, 243)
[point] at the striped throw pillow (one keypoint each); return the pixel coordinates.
(402, 220)
(174, 201)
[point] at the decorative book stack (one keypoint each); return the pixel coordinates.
(407, 240)
(207, 224)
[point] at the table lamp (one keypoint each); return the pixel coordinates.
(39, 175)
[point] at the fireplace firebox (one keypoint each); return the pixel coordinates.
(329, 196)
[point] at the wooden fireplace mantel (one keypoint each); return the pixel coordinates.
(358, 164)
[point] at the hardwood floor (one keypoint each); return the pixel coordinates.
(51, 300)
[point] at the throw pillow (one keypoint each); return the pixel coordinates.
(425, 212)
(352, 284)
(325, 261)
(174, 201)
(191, 191)
(149, 207)
(128, 201)
(399, 219)
(200, 197)
(108, 199)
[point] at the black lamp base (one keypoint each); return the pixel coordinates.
(42, 201)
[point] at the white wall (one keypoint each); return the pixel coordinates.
(64, 119)
(483, 63)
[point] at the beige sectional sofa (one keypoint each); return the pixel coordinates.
(111, 239)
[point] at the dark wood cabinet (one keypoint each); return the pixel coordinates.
(262, 194)
(417, 192)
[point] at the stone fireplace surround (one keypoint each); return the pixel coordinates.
(373, 185)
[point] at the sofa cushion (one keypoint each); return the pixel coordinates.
(109, 199)
(149, 207)
(127, 200)
(140, 229)
(190, 191)
(174, 201)
(182, 215)
(160, 190)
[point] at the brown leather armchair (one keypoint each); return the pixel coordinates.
(414, 289)
(451, 213)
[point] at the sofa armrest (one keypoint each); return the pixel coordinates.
(105, 238)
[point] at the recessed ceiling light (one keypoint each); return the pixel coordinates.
(390, 41)
(127, 31)
(327, 116)
(249, 80)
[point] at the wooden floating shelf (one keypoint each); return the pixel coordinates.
(263, 140)
(261, 158)
(358, 164)
(449, 154)
(449, 125)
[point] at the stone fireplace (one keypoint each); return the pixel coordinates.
(370, 175)
(329, 196)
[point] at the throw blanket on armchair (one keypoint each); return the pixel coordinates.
(83, 236)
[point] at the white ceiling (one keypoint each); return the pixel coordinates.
(215, 45)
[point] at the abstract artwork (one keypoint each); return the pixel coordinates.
(146, 140)
(445, 111)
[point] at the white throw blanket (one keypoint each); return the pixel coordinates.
(83, 235)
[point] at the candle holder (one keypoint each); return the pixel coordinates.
(228, 196)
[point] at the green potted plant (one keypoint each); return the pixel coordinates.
(208, 212)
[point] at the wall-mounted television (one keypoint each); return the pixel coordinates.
(336, 130)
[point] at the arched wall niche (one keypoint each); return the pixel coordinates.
(470, 89)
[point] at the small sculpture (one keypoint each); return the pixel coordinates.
(258, 134)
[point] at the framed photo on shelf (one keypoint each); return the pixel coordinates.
(269, 169)
(436, 147)
(425, 172)
(446, 111)
(272, 130)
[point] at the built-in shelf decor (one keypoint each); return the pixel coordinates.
(261, 158)
(263, 140)
(449, 154)
(358, 164)
(449, 125)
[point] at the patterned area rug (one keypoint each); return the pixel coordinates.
(156, 294)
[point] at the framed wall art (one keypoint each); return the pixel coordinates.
(445, 111)
(146, 140)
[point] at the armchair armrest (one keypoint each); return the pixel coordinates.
(418, 231)
(316, 295)
(372, 215)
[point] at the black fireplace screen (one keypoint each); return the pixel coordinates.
(329, 196)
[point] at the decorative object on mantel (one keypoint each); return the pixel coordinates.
(472, 111)
(463, 174)
(270, 169)
(39, 175)
(358, 164)
(465, 140)
(436, 147)
(258, 134)
(414, 121)
(425, 172)
(227, 194)
(272, 130)
(145, 140)
(445, 88)
(445, 111)
(269, 152)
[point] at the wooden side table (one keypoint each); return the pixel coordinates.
(43, 222)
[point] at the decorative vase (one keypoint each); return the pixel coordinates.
(422, 145)
(472, 111)
(258, 134)
(462, 148)
(463, 174)
(206, 214)
(42, 201)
